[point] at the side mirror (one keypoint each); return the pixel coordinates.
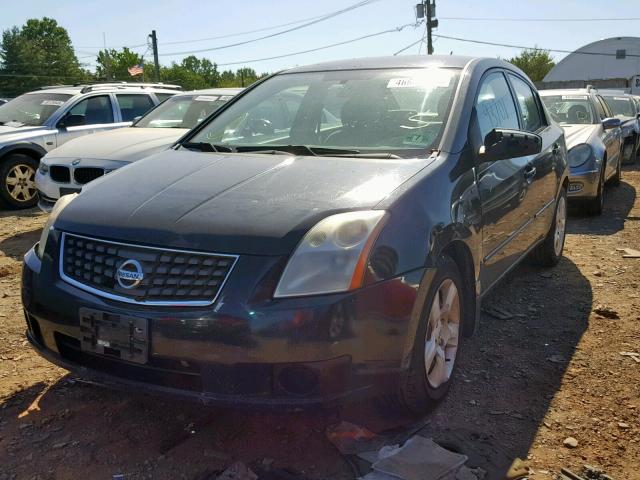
(503, 144)
(638, 116)
(72, 121)
(613, 122)
(135, 120)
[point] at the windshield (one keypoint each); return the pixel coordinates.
(621, 106)
(31, 109)
(569, 109)
(182, 111)
(399, 112)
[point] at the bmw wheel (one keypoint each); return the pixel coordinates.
(17, 180)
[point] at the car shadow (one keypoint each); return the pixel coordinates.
(618, 202)
(17, 245)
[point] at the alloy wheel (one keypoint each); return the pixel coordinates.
(561, 225)
(20, 183)
(443, 332)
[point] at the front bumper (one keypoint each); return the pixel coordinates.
(583, 184)
(236, 352)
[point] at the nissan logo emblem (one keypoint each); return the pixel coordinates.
(129, 274)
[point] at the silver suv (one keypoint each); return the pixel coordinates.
(39, 121)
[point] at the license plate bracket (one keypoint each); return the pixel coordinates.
(120, 336)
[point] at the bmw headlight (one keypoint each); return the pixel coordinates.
(48, 226)
(332, 255)
(579, 154)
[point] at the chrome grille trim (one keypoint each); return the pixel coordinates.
(111, 296)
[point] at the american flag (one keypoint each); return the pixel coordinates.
(136, 70)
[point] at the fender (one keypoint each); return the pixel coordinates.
(33, 147)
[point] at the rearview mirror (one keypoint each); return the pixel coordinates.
(609, 123)
(502, 144)
(72, 121)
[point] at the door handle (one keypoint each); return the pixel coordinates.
(556, 149)
(530, 173)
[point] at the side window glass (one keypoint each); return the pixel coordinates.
(132, 106)
(494, 106)
(529, 107)
(601, 108)
(95, 110)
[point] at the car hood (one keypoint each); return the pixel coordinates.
(575, 134)
(122, 144)
(229, 203)
(17, 134)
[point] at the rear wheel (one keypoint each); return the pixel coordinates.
(549, 252)
(435, 349)
(615, 180)
(17, 181)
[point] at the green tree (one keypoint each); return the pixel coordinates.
(535, 62)
(113, 64)
(38, 53)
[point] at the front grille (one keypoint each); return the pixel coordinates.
(170, 277)
(84, 175)
(60, 174)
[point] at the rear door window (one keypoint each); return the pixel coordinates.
(96, 110)
(495, 107)
(132, 105)
(530, 114)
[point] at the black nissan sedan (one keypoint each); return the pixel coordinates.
(329, 233)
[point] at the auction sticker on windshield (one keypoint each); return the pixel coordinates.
(574, 97)
(206, 98)
(55, 103)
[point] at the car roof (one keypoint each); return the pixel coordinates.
(78, 89)
(213, 91)
(398, 61)
(567, 91)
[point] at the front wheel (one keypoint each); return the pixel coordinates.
(17, 181)
(435, 349)
(615, 180)
(594, 206)
(549, 252)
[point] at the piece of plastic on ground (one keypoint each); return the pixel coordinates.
(418, 459)
(237, 471)
(352, 439)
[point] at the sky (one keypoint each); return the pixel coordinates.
(118, 22)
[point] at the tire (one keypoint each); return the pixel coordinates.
(615, 180)
(422, 388)
(549, 252)
(595, 205)
(17, 181)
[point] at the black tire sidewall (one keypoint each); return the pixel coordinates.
(6, 164)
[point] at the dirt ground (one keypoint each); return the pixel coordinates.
(548, 368)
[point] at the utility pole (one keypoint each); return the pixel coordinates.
(428, 9)
(154, 44)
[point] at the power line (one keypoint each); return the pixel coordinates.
(410, 45)
(515, 19)
(521, 47)
(391, 30)
(282, 32)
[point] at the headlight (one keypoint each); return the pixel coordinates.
(332, 255)
(579, 154)
(55, 212)
(44, 168)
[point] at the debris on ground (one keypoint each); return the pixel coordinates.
(497, 312)
(629, 252)
(351, 439)
(418, 459)
(518, 469)
(589, 473)
(556, 359)
(237, 471)
(570, 442)
(606, 312)
(634, 355)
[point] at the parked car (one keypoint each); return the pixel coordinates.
(37, 122)
(306, 263)
(624, 107)
(3, 101)
(69, 167)
(594, 140)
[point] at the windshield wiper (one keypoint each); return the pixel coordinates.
(290, 149)
(383, 155)
(206, 147)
